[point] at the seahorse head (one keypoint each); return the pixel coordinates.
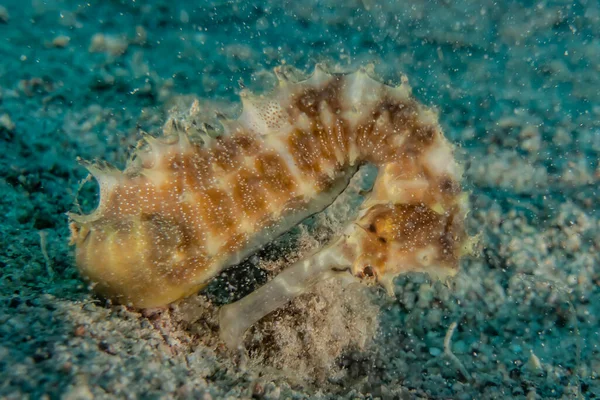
(399, 238)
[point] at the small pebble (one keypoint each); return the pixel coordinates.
(258, 388)
(434, 317)
(7, 123)
(426, 294)
(141, 36)
(107, 347)
(79, 330)
(4, 17)
(272, 392)
(79, 391)
(434, 351)
(61, 41)
(534, 364)
(101, 43)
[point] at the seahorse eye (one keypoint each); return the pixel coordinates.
(369, 271)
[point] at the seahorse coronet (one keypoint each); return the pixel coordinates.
(191, 203)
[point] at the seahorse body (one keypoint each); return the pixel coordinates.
(189, 205)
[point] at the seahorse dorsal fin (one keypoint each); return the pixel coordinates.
(288, 75)
(103, 171)
(319, 77)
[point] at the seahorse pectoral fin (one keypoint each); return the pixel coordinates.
(236, 318)
(387, 283)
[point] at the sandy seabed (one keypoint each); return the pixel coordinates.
(517, 85)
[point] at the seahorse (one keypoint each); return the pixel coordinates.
(189, 204)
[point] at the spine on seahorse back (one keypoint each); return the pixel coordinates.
(189, 205)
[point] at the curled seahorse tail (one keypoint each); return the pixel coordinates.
(236, 318)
